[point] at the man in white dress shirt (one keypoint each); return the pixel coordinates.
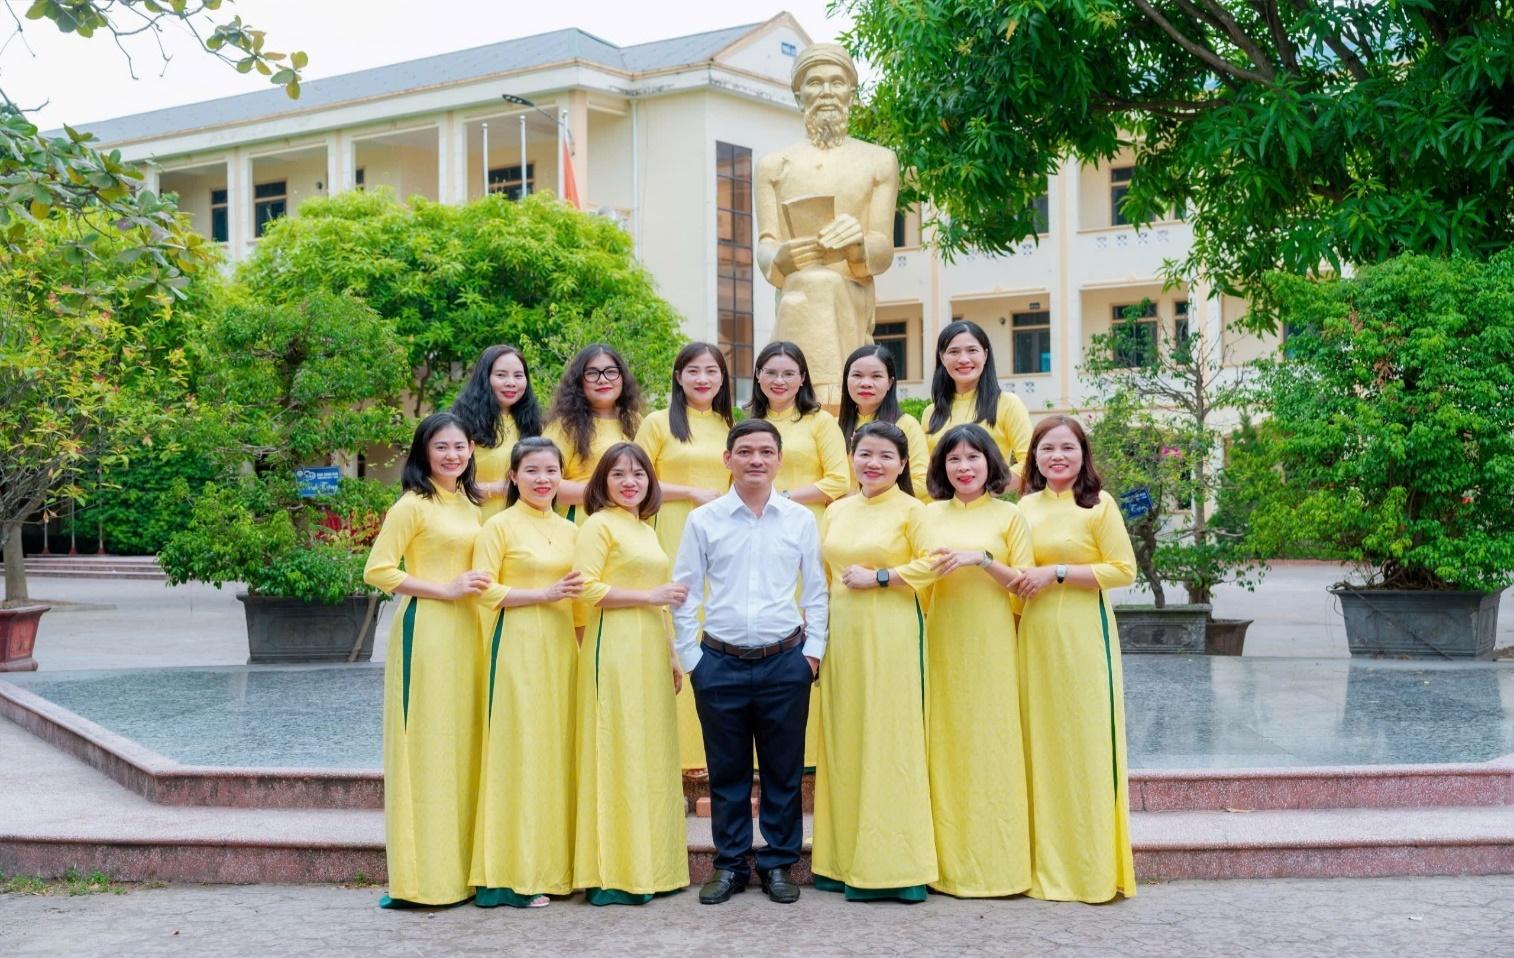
(752, 663)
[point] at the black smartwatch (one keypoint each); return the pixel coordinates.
(883, 577)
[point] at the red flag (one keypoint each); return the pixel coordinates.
(570, 186)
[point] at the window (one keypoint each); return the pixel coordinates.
(358, 178)
(899, 233)
(269, 202)
(1042, 207)
(1135, 340)
(220, 229)
(1180, 321)
(733, 255)
(506, 180)
(1119, 185)
(895, 338)
(1031, 334)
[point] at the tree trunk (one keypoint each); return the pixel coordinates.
(15, 565)
(1145, 556)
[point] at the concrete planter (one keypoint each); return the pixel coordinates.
(1225, 636)
(1176, 628)
(18, 637)
(293, 630)
(1419, 624)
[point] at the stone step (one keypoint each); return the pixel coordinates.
(93, 567)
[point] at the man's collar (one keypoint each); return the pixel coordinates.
(736, 503)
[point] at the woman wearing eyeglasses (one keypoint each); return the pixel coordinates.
(814, 470)
(596, 405)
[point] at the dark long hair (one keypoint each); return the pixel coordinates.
(522, 449)
(416, 476)
(1085, 488)
(597, 492)
(939, 484)
(678, 406)
(478, 407)
(888, 410)
(895, 435)
(570, 407)
(943, 389)
(805, 400)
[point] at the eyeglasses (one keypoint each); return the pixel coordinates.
(786, 374)
(609, 374)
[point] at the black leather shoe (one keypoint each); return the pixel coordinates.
(721, 886)
(779, 886)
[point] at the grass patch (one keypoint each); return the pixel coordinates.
(73, 882)
(360, 880)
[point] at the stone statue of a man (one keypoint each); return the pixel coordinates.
(825, 221)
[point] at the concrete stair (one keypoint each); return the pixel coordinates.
(93, 567)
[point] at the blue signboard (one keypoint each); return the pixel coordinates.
(1136, 503)
(315, 481)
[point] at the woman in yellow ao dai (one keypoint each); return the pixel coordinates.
(523, 842)
(872, 393)
(966, 389)
(630, 842)
(432, 707)
(686, 443)
(813, 470)
(1071, 690)
(596, 405)
(498, 407)
(976, 751)
(873, 833)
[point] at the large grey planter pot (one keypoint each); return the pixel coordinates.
(1419, 624)
(1226, 636)
(1176, 628)
(293, 630)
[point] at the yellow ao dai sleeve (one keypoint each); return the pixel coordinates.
(432, 702)
(919, 453)
(698, 462)
(1011, 429)
(1072, 700)
(523, 842)
(872, 789)
(629, 828)
(976, 752)
(492, 463)
(578, 468)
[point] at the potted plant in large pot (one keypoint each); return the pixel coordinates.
(296, 388)
(1157, 441)
(1394, 424)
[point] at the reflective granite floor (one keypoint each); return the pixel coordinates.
(1181, 712)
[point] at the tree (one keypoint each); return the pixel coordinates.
(1160, 433)
(455, 279)
(1293, 134)
(67, 179)
(81, 380)
(1393, 421)
(293, 384)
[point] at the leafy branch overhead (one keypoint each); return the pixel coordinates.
(1294, 133)
(68, 177)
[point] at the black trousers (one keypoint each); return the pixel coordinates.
(761, 702)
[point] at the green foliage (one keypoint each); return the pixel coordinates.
(288, 385)
(1158, 431)
(1394, 421)
(1255, 506)
(256, 530)
(455, 279)
(1293, 134)
(915, 407)
(133, 505)
(64, 179)
(82, 380)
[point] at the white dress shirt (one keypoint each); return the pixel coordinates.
(752, 565)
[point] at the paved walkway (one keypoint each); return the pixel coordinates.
(108, 624)
(1425, 917)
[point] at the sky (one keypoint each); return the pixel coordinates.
(73, 80)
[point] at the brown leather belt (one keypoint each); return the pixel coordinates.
(755, 653)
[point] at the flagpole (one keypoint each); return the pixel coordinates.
(525, 185)
(562, 153)
(486, 159)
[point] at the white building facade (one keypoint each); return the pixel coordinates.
(664, 137)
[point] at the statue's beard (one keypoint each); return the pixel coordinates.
(827, 128)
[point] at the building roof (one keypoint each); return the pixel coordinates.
(444, 69)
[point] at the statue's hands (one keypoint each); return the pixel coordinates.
(797, 254)
(844, 231)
